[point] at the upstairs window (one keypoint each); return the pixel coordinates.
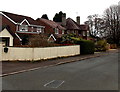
(39, 30)
(63, 32)
(23, 28)
(56, 31)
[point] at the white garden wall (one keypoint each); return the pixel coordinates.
(22, 53)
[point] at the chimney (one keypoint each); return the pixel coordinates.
(64, 19)
(78, 19)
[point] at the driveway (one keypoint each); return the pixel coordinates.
(100, 73)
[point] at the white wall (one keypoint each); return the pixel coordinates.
(22, 54)
(5, 33)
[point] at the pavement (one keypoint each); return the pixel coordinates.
(99, 73)
(10, 68)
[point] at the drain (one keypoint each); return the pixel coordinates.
(54, 83)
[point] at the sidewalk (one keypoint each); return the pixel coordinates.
(9, 68)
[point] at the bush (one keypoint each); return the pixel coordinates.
(39, 41)
(67, 39)
(101, 45)
(113, 46)
(86, 46)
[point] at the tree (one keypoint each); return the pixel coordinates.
(44, 16)
(96, 26)
(58, 17)
(112, 24)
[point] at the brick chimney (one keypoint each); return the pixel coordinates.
(78, 19)
(64, 19)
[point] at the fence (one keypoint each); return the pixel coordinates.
(25, 54)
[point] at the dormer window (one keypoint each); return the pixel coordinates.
(23, 28)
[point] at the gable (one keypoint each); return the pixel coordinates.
(5, 33)
(25, 22)
(51, 38)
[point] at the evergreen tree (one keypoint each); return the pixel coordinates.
(44, 16)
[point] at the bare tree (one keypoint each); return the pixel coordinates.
(112, 24)
(96, 25)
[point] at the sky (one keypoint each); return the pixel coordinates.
(72, 8)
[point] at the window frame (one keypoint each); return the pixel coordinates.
(23, 28)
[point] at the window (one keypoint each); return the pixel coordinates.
(39, 30)
(88, 34)
(32, 29)
(84, 33)
(62, 31)
(42, 30)
(56, 31)
(23, 28)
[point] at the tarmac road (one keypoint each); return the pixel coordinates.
(100, 73)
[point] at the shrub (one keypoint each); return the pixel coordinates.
(101, 45)
(86, 46)
(113, 46)
(67, 39)
(39, 41)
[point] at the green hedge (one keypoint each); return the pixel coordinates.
(86, 47)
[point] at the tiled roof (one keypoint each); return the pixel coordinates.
(19, 18)
(84, 27)
(51, 23)
(72, 25)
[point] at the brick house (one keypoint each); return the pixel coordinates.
(53, 29)
(21, 26)
(75, 27)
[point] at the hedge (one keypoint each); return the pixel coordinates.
(86, 47)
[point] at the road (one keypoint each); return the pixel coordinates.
(100, 73)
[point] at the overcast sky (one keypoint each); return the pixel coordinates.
(73, 8)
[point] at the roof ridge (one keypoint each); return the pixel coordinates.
(16, 14)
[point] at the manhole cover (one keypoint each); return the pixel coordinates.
(54, 84)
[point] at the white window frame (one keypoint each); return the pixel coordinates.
(88, 34)
(23, 28)
(84, 33)
(56, 31)
(63, 31)
(39, 30)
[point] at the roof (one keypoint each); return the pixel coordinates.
(8, 29)
(84, 27)
(72, 25)
(51, 23)
(19, 18)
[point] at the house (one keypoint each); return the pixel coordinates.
(6, 37)
(53, 29)
(20, 26)
(75, 27)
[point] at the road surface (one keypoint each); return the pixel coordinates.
(100, 73)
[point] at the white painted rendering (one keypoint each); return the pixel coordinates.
(24, 54)
(5, 33)
(52, 37)
(24, 21)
